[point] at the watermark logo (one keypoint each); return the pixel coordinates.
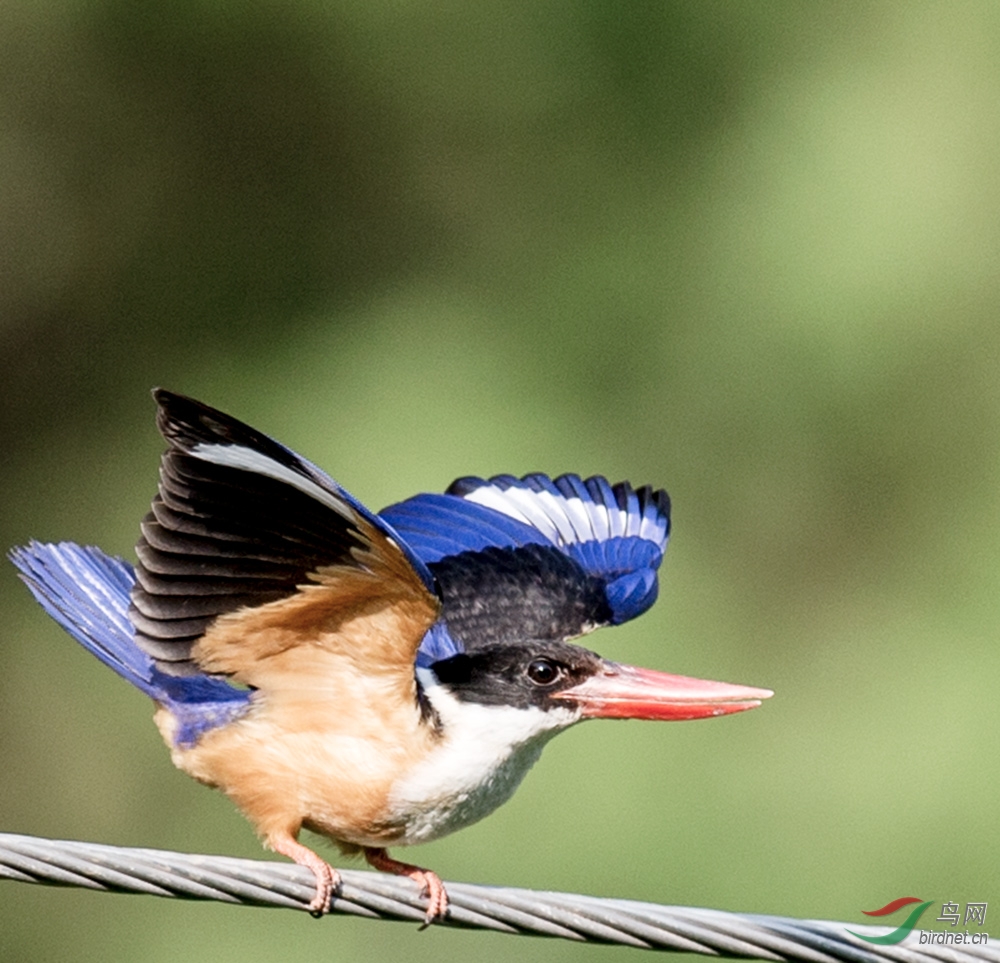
(901, 932)
(975, 913)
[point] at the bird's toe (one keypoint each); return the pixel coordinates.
(437, 896)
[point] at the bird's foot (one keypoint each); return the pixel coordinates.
(429, 882)
(327, 878)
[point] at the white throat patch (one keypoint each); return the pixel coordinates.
(485, 752)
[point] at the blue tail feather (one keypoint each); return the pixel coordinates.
(87, 593)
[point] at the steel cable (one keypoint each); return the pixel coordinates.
(30, 859)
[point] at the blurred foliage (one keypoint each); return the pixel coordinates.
(745, 251)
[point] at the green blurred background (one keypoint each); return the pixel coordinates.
(748, 252)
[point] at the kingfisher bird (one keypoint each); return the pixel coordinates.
(380, 679)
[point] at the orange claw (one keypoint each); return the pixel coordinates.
(429, 882)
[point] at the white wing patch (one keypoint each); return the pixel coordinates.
(518, 503)
(569, 520)
(236, 456)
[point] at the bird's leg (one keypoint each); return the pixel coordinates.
(429, 882)
(327, 878)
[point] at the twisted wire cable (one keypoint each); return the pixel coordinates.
(31, 859)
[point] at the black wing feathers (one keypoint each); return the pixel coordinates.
(186, 423)
(220, 538)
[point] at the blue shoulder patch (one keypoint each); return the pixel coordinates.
(438, 526)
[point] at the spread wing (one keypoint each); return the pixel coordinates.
(250, 551)
(534, 557)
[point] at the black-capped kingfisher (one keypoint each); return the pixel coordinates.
(380, 679)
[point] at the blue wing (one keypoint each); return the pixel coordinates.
(578, 553)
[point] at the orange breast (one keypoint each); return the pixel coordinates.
(327, 763)
(334, 720)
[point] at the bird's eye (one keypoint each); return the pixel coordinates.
(543, 672)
